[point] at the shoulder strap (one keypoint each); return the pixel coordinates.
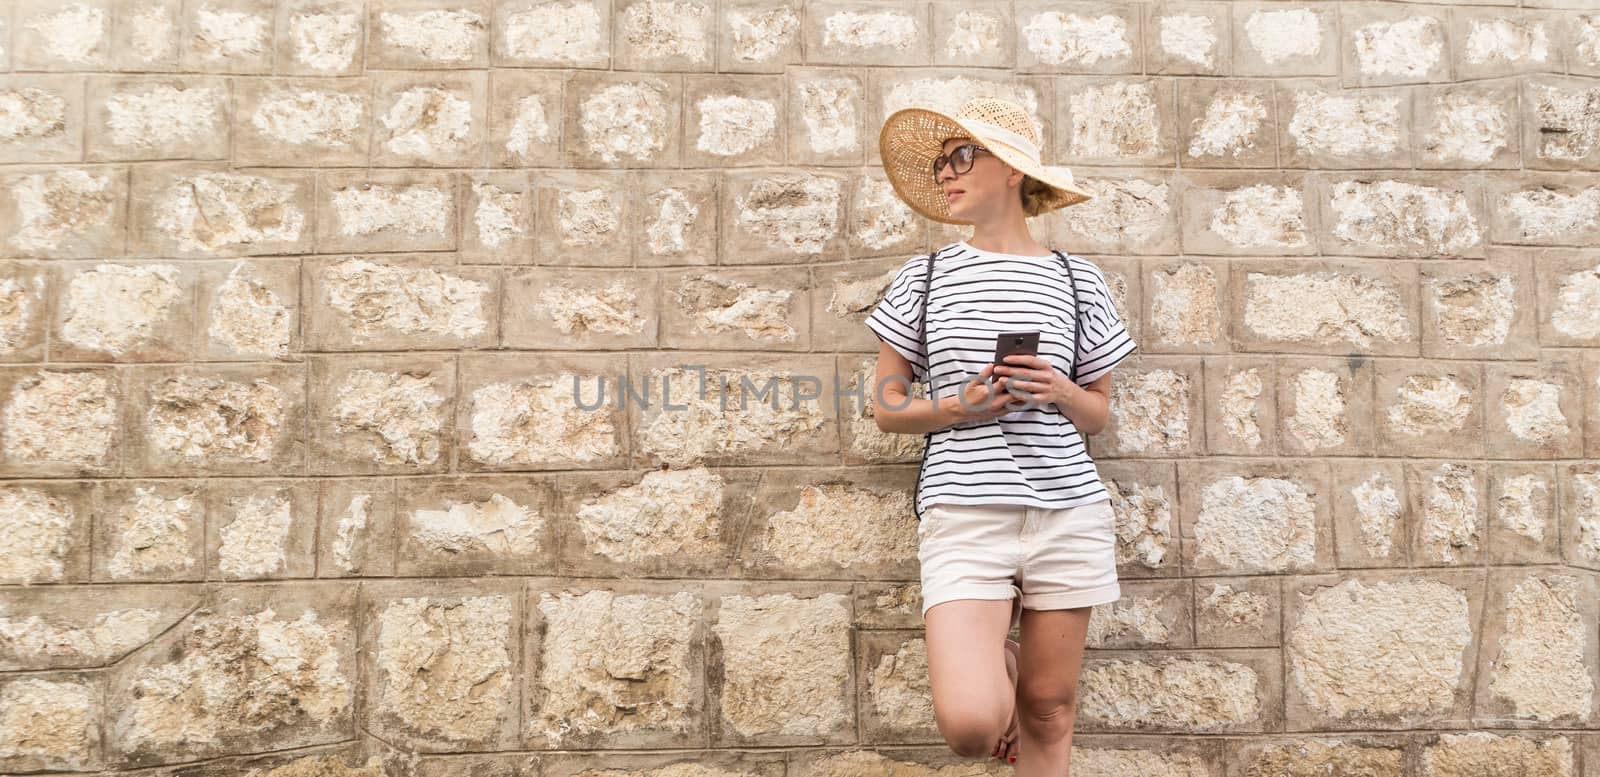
(922, 323)
(1077, 320)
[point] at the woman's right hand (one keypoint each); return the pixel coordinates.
(986, 397)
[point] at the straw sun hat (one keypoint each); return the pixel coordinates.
(912, 138)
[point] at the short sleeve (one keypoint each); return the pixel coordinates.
(1106, 341)
(896, 318)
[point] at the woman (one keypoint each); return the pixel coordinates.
(1016, 528)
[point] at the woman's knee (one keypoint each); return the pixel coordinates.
(971, 734)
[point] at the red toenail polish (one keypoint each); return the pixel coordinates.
(1013, 759)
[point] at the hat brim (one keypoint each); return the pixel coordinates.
(911, 138)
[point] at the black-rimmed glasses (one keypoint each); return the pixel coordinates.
(960, 158)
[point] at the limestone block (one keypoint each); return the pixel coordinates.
(622, 119)
(1188, 39)
(51, 721)
(1401, 216)
(249, 309)
(541, 411)
(1144, 496)
(1371, 513)
(358, 303)
(1155, 408)
(684, 522)
(677, 212)
(320, 37)
(1273, 39)
(229, 36)
(441, 663)
(1579, 488)
(1325, 306)
(831, 524)
(1322, 126)
(261, 529)
(525, 107)
(780, 668)
(1150, 614)
(584, 218)
(46, 524)
(224, 420)
(24, 309)
(615, 666)
(707, 408)
(381, 414)
(1365, 754)
(44, 118)
(158, 117)
(733, 121)
(867, 32)
(736, 308)
(1466, 126)
(1076, 37)
(1185, 310)
(1539, 660)
(859, 395)
(1567, 285)
(967, 35)
(1129, 213)
(1390, 650)
(758, 36)
(1552, 209)
(496, 218)
(386, 210)
(1181, 691)
(1561, 130)
(61, 421)
(1517, 755)
(62, 36)
(1235, 213)
(577, 308)
(1242, 409)
(65, 212)
(1532, 410)
(1479, 309)
(1269, 517)
(1400, 44)
(187, 210)
(1116, 121)
(1325, 409)
(421, 34)
(1423, 407)
(72, 627)
(1523, 514)
(1222, 123)
(825, 116)
(665, 35)
(356, 527)
(435, 120)
(148, 531)
(789, 216)
(551, 33)
(302, 121)
(1238, 612)
(1449, 508)
(475, 526)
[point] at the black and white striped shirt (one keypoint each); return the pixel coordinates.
(1028, 457)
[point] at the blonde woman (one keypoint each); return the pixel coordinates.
(1015, 526)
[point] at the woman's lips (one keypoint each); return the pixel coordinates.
(953, 195)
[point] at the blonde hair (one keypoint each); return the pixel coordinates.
(1034, 192)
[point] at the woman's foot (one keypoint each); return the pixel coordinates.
(1007, 748)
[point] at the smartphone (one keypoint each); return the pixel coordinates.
(1007, 343)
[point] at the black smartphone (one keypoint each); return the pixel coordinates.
(1007, 343)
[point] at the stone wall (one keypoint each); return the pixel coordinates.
(296, 296)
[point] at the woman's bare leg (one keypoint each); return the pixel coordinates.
(972, 694)
(1047, 694)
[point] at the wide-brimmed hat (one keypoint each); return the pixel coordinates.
(912, 138)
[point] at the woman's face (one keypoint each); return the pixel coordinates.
(977, 190)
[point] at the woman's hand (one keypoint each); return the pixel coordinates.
(985, 400)
(1037, 378)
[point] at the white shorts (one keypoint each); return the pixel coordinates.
(1052, 559)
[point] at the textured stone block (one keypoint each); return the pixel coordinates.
(1392, 650)
(867, 32)
(52, 721)
(825, 116)
(677, 212)
(200, 211)
(1325, 306)
(476, 526)
(1170, 691)
(60, 36)
(229, 36)
(772, 216)
(249, 310)
(1184, 306)
(24, 306)
(1394, 44)
(583, 218)
(1474, 752)
(358, 303)
(858, 396)
(540, 33)
(1371, 513)
(154, 117)
(1187, 39)
(302, 121)
(758, 36)
(386, 210)
(419, 34)
(1579, 488)
(224, 420)
(320, 37)
(379, 414)
(579, 308)
(1278, 40)
(1466, 126)
(148, 531)
(72, 627)
(1479, 309)
(65, 212)
(896, 701)
(733, 121)
(1540, 656)
(430, 121)
(525, 112)
(1448, 502)
(356, 527)
(1156, 408)
(1241, 408)
(1129, 213)
(1533, 410)
(1551, 209)
(754, 308)
(622, 119)
(261, 529)
(1150, 614)
(1144, 495)
(1225, 123)
(1076, 37)
(663, 523)
(1322, 126)
(1325, 409)
(1523, 514)
(1116, 121)
(44, 119)
(529, 412)
(1373, 755)
(1238, 612)
(62, 421)
(1234, 213)
(47, 525)
(968, 35)
(830, 524)
(1271, 517)
(1400, 216)
(1425, 406)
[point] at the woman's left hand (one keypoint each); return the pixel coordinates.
(1035, 377)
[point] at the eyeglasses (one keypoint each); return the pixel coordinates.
(960, 159)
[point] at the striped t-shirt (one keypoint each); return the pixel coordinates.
(1028, 457)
